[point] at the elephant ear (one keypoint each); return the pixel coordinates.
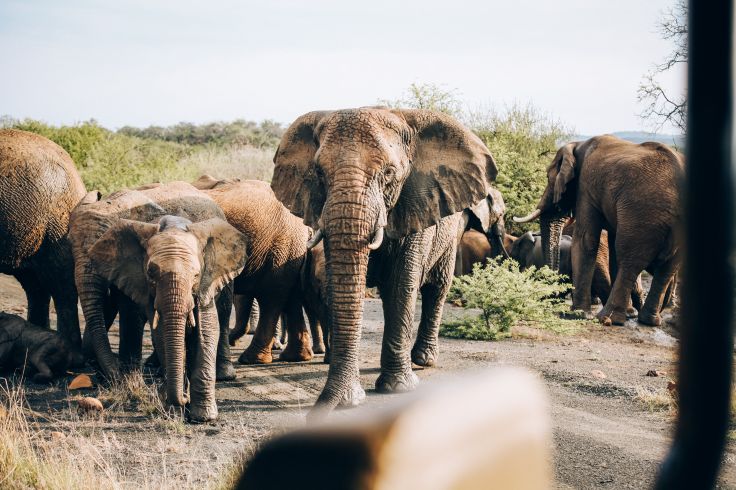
(566, 170)
(295, 181)
(451, 169)
(119, 256)
(224, 255)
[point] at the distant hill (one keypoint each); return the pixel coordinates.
(642, 136)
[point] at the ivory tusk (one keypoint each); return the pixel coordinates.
(190, 319)
(154, 323)
(529, 217)
(377, 239)
(315, 239)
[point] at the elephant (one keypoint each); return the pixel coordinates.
(631, 191)
(358, 176)
(44, 353)
(40, 186)
(169, 252)
(272, 275)
(476, 249)
(486, 217)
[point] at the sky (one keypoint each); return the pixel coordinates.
(152, 62)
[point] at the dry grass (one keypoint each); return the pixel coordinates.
(245, 162)
(33, 458)
(657, 400)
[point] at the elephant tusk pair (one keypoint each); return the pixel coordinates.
(315, 239)
(529, 217)
(377, 239)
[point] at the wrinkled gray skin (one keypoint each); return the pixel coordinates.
(395, 179)
(166, 270)
(43, 353)
(632, 192)
(39, 187)
(486, 217)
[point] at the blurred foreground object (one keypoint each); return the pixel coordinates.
(706, 347)
(485, 430)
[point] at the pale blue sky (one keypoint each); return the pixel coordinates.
(159, 62)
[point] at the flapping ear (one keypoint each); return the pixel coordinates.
(451, 169)
(224, 255)
(119, 255)
(566, 170)
(295, 181)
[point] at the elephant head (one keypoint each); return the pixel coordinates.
(487, 217)
(357, 174)
(558, 201)
(172, 269)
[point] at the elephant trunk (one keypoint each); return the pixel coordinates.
(174, 304)
(350, 226)
(92, 294)
(551, 227)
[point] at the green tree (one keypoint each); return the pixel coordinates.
(427, 96)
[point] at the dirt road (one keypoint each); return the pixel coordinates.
(607, 433)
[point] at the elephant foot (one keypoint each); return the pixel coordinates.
(277, 345)
(596, 300)
(354, 396)
(424, 355)
(256, 356)
(296, 352)
(318, 347)
(201, 414)
(653, 320)
(611, 318)
(396, 382)
(225, 371)
(577, 315)
(631, 312)
(233, 338)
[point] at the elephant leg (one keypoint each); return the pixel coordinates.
(315, 327)
(299, 347)
(584, 251)
(60, 280)
(38, 297)
(637, 294)
(225, 371)
(425, 349)
(132, 323)
(203, 407)
(244, 308)
(663, 276)
(259, 350)
(399, 296)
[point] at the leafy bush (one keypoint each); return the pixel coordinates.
(523, 141)
(239, 132)
(507, 296)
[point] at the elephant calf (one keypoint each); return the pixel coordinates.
(46, 353)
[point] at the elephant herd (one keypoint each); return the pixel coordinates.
(394, 199)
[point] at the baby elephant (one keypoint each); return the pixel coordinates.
(43, 351)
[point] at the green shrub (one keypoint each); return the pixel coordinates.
(523, 141)
(506, 297)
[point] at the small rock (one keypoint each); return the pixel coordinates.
(80, 382)
(654, 373)
(598, 374)
(89, 404)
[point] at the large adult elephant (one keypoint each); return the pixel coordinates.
(630, 190)
(358, 175)
(40, 186)
(168, 251)
(272, 275)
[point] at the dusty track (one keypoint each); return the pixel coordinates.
(604, 436)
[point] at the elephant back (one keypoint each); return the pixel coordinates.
(39, 187)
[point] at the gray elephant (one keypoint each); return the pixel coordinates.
(359, 176)
(43, 353)
(632, 192)
(169, 251)
(40, 186)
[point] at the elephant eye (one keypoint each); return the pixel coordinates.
(152, 271)
(389, 173)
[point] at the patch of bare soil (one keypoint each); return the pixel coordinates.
(612, 422)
